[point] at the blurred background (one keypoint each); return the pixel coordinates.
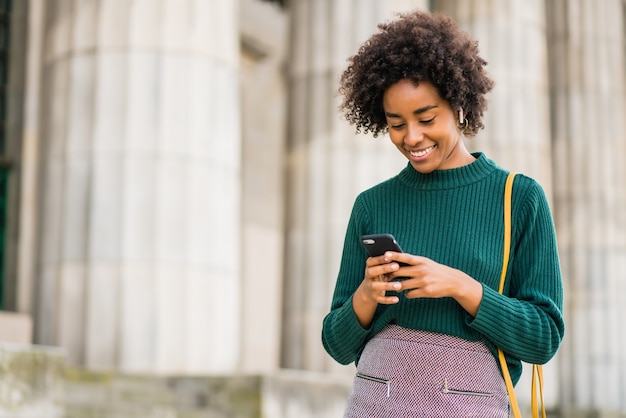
(175, 182)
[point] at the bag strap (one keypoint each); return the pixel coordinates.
(508, 191)
(537, 369)
(537, 376)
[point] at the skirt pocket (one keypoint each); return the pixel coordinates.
(451, 390)
(375, 382)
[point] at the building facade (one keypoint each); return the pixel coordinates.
(176, 179)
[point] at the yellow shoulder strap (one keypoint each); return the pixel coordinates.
(537, 369)
(508, 191)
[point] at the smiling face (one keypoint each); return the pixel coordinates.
(423, 127)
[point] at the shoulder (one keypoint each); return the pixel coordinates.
(527, 188)
(529, 201)
(528, 195)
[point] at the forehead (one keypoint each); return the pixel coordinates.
(408, 93)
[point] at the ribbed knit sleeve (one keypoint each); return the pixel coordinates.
(343, 336)
(527, 322)
(455, 217)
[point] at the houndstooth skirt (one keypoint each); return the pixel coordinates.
(409, 373)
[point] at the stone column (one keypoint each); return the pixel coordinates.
(588, 106)
(263, 106)
(139, 258)
(327, 163)
(511, 36)
(25, 51)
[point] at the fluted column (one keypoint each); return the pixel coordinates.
(588, 105)
(512, 38)
(139, 266)
(263, 106)
(327, 163)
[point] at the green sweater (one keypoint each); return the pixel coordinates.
(455, 217)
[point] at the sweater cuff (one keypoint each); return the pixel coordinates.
(350, 322)
(344, 334)
(488, 309)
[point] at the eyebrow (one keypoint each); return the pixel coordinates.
(415, 112)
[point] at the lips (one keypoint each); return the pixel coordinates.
(421, 152)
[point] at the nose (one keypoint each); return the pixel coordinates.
(414, 134)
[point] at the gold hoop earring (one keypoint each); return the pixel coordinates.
(463, 125)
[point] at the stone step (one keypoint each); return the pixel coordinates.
(32, 380)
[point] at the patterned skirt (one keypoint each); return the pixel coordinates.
(408, 373)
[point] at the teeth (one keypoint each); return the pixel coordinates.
(422, 152)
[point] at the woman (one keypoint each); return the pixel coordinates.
(426, 345)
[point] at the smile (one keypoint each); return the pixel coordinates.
(422, 152)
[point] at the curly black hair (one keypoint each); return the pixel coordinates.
(419, 46)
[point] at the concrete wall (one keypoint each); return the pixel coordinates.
(286, 394)
(35, 383)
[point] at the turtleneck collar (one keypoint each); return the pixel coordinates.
(448, 179)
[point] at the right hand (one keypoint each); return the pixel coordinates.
(377, 281)
(373, 289)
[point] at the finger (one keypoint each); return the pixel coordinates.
(390, 256)
(381, 259)
(388, 300)
(410, 287)
(404, 258)
(382, 271)
(422, 292)
(386, 286)
(380, 292)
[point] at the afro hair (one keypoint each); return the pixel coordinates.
(419, 46)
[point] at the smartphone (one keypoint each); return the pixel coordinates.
(378, 244)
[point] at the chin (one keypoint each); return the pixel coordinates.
(424, 169)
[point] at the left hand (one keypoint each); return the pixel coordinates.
(428, 279)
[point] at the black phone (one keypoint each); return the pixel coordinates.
(378, 244)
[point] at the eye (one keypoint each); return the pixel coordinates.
(427, 121)
(397, 126)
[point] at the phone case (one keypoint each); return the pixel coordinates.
(377, 244)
